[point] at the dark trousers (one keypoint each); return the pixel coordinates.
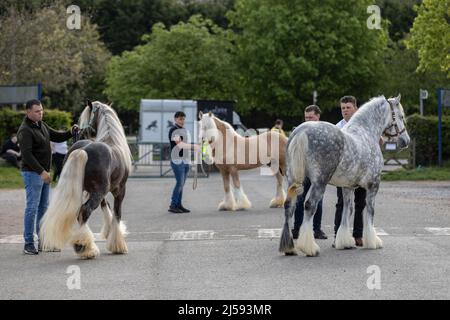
(12, 159)
(300, 209)
(58, 159)
(181, 171)
(360, 203)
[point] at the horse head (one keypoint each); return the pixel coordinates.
(208, 129)
(89, 119)
(396, 128)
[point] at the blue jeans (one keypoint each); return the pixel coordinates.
(37, 202)
(299, 209)
(181, 171)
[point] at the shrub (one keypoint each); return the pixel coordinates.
(425, 132)
(10, 120)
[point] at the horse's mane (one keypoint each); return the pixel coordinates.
(109, 130)
(226, 124)
(370, 108)
(85, 116)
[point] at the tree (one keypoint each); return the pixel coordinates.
(400, 63)
(430, 35)
(188, 61)
(400, 76)
(214, 10)
(288, 49)
(400, 14)
(36, 46)
(123, 23)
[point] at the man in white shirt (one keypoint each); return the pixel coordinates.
(348, 108)
(59, 151)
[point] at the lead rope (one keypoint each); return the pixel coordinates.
(195, 170)
(75, 135)
(194, 183)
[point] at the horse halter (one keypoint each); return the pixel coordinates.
(393, 124)
(89, 129)
(205, 138)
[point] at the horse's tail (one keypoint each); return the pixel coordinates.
(296, 158)
(66, 201)
(296, 168)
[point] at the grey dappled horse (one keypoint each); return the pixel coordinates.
(349, 158)
(93, 168)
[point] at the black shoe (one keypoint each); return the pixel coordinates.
(319, 234)
(174, 210)
(184, 209)
(295, 233)
(30, 249)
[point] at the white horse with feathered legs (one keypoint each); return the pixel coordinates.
(232, 152)
(346, 158)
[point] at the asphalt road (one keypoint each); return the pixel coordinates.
(208, 254)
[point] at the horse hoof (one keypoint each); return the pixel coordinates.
(315, 255)
(292, 253)
(311, 252)
(276, 204)
(225, 208)
(89, 254)
(125, 251)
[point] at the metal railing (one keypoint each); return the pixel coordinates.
(153, 160)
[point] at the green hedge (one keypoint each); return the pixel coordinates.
(10, 120)
(425, 132)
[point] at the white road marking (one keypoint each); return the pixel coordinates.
(381, 232)
(439, 231)
(234, 235)
(210, 234)
(192, 235)
(98, 237)
(17, 238)
(269, 233)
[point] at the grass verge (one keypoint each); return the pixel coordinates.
(420, 173)
(10, 178)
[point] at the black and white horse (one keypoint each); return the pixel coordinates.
(93, 168)
(346, 158)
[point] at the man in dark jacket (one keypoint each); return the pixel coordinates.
(34, 137)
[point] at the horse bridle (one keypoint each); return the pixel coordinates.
(76, 136)
(90, 127)
(393, 124)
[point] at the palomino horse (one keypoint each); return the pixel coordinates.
(346, 158)
(94, 167)
(232, 152)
